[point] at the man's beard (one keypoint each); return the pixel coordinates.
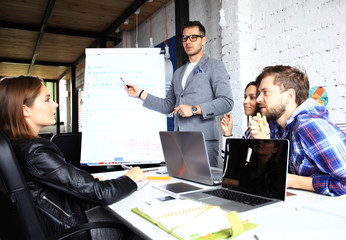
(276, 112)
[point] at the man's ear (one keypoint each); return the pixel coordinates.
(204, 40)
(291, 96)
(26, 111)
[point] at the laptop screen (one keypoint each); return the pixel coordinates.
(256, 166)
(186, 156)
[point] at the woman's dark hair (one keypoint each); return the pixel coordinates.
(253, 83)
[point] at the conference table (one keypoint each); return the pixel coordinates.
(304, 214)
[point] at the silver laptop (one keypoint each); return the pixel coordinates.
(254, 175)
(187, 158)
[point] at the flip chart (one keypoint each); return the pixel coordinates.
(116, 128)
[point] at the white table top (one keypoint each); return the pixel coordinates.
(306, 215)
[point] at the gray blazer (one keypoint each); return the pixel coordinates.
(208, 85)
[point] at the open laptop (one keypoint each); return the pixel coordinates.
(254, 175)
(187, 158)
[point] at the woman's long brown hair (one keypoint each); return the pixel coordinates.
(14, 93)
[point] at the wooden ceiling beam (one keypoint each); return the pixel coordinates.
(64, 73)
(72, 32)
(43, 63)
(52, 30)
(47, 13)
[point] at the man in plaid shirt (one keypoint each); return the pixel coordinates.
(317, 146)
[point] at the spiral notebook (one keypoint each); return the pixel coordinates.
(187, 219)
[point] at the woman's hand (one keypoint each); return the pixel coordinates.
(135, 174)
(227, 124)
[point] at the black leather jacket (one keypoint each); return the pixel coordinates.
(60, 190)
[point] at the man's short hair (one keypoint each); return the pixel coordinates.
(287, 77)
(195, 24)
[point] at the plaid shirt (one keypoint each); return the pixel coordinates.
(317, 147)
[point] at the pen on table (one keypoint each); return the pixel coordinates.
(125, 167)
(245, 221)
(124, 82)
(262, 126)
(158, 178)
(149, 170)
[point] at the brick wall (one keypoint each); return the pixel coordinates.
(309, 34)
(306, 33)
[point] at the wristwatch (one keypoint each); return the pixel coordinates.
(194, 110)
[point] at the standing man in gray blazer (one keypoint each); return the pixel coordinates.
(200, 91)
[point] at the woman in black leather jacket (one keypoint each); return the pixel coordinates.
(61, 191)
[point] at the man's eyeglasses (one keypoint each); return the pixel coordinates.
(193, 38)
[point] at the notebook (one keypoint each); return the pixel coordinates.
(254, 175)
(186, 219)
(186, 157)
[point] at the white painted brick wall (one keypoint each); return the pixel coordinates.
(158, 27)
(309, 34)
(207, 12)
(306, 33)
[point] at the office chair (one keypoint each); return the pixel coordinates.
(70, 145)
(19, 217)
(46, 135)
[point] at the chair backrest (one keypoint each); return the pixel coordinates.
(46, 135)
(19, 218)
(70, 145)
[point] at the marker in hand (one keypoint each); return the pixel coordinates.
(124, 82)
(262, 126)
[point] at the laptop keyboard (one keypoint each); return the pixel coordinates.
(238, 197)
